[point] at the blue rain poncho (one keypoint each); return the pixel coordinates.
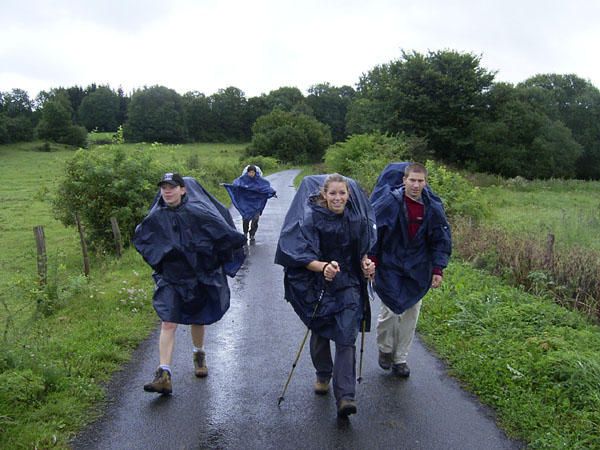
(404, 270)
(191, 247)
(313, 232)
(249, 194)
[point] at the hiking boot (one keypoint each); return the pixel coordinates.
(321, 387)
(346, 407)
(385, 360)
(401, 370)
(200, 368)
(161, 382)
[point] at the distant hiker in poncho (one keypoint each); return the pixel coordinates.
(249, 194)
(191, 242)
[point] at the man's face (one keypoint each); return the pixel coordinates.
(251, 173)
(171, 194)
(415, 182)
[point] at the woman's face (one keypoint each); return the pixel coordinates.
(336, 195)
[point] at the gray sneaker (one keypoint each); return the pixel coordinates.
(200, 368)
(401, 370)
(161, 383)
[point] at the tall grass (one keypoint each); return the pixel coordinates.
(571, 275)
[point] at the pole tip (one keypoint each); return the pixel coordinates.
(279, 400)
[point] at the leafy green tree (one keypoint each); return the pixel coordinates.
(330, 106)
(284, 98)
(575, 102)
(435, 96)
(20, 128)
(198, 116)
(289, 137)
(16, 103)
(100, 110)
(516, 137)
(256, 107)
(17, 109)
(4, 137)
(230, 119)
(56, 122)
(155, 115)
(123, 104)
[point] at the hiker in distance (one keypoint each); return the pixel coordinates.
(249, 194)
(413, 247)
(191, 242)
(323, 247)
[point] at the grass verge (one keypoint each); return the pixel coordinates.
(536, 363)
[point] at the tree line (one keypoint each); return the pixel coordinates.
(546, 126)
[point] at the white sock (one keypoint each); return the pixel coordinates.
(166, 367)
(198, 349)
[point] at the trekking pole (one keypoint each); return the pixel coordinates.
(363, 326)
(281, 397)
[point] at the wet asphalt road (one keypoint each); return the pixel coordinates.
(250, 353)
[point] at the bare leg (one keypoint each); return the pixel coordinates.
(198, 336)
(166, 342)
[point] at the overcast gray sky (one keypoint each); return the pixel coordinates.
(261, 45)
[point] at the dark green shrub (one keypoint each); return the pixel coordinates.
(363, 156)
(289, 137)
(460, 197)
(20, 129)
(155, 115)
(103, 183)
(75, 136)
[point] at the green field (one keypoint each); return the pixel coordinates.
(568, 209)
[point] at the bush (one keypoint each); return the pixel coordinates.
(155, 115)
(75, 136)
(364, 156)
(103, 183)
(460, 197)
(20, 129)
(289, 137)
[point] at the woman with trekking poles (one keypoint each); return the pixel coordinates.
(323, 246)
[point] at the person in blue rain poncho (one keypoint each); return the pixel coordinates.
(323, 248)
(249, 194)
(413, 247)
(191, 242)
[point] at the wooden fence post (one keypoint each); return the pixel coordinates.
(84, 250)
(117, 234)
(42, 257)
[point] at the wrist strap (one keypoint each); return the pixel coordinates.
(324, 267)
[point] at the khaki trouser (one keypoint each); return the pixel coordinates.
(395, 332)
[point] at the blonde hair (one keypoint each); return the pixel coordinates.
(332, 178)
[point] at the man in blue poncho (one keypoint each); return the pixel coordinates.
(191, 242)
(249, 194)
(413, 247)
